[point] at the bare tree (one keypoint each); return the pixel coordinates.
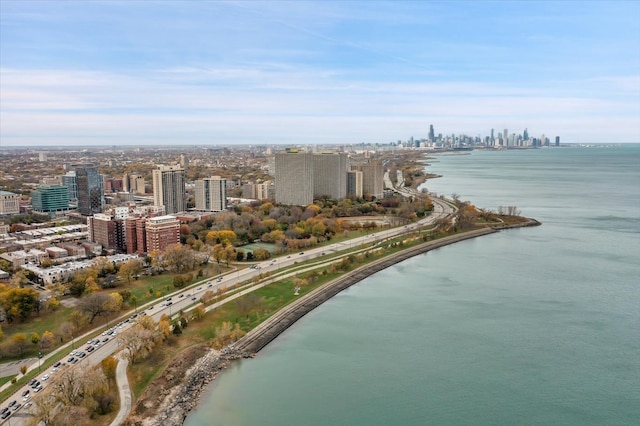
(138, 342)
(96, 304)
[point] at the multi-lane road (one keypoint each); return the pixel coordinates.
(95, 349)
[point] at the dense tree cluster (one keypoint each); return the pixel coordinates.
(294, 227)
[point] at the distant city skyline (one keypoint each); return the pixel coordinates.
(224, 73)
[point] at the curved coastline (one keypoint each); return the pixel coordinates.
(173, 405)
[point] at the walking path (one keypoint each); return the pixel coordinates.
(123, 389)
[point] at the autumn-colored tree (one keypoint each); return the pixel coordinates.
(109, 365)
(137, 342)
(179, 258)
(19, 279)
(261, 254)
(35, 338)
(226, 334)
(53, 304)
(103, 266)
(19, 303)
(19, 344)
(130, 269)
(78, 319)
(47, 341)
(164, 327)
(224, 237)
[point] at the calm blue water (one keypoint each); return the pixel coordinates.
(529, 326)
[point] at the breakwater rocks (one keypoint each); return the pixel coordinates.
(168, 400)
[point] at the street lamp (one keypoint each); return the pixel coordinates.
(39, 360)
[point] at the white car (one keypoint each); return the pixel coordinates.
(45, 377)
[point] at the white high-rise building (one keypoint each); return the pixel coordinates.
(169, 188)
(211, 194)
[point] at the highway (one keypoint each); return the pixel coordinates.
(107, 343)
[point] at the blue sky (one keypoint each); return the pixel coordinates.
(224, 72)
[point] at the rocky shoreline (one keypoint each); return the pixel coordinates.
(184, 385)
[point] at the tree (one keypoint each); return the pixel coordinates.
(19, 303)
(67, 331)
(53, 304)
(44, 407)
(103, 266)
(164, 327)
(179, 258)
(78, 319)
(138, 342)
(19, 279)
(224, 237)
(47, 341)
(19, 343)
(96, 304)
(109, 365)
(226, 334)
(130, 269)
(35, 338)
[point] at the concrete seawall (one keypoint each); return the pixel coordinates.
(259, 337)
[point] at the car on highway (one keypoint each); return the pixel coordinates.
(5, 414)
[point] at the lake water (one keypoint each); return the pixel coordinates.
(530, 326)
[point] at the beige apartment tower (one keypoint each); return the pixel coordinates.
(169, 188)
(301, 176)
(211, 194)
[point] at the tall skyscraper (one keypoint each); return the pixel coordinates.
(294, 178)
(169, 184)
(432, 134)
(301, 176)
(525, 135)
(505, 137)
(211, 194)
(330, 174)
(89, 188)
(71, 182)
(557, 140)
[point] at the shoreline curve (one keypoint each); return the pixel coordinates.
(178, 403)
